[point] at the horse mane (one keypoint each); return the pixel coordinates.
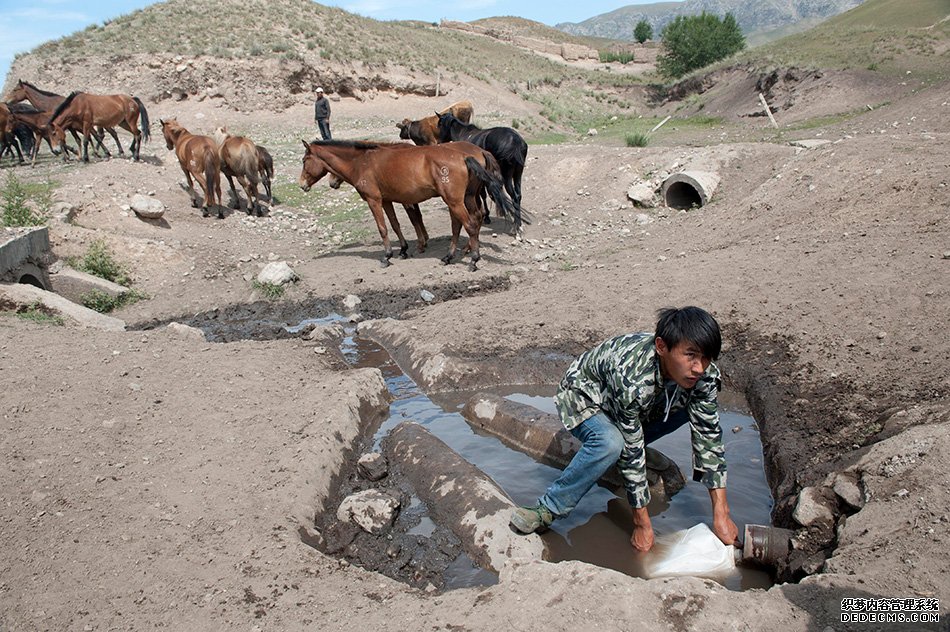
(40, 90)
(62, 106)
(355, 144)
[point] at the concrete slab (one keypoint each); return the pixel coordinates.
(23, 294)
(25, 255)
(72, 284)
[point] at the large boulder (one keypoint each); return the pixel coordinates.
(147, 207)
(277, 273)
(374, 511)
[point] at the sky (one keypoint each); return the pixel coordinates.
(25, 24)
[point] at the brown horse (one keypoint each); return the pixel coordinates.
(239, 159)
(46, 101)
(84, 110)
(198, 157)
(407, 175)
(7, 141)
(425, 131)
(38, 124)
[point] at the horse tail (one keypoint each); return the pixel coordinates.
(143, 116)
(212, 175)
(494, 185)
(62, 107)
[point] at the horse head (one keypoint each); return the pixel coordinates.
(171, 130)
(404, 128)
(446, 122)
(17, 93)
(313, 168)
(220, 134)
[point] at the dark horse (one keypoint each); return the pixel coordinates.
(504, 143)
(407, 175)
(86, 111)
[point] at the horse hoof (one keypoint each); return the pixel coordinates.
(472, 267)
(487, 220)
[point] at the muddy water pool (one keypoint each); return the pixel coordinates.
(597, 531)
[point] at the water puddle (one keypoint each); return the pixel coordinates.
(597, 531)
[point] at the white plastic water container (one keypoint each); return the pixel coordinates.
(696, 552)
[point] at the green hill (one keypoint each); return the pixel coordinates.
(881, 35)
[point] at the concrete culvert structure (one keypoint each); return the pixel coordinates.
(689, 189)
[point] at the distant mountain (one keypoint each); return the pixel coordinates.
(755, 17)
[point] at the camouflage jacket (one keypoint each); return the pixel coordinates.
(621, 378)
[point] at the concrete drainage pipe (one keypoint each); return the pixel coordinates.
(689, 189)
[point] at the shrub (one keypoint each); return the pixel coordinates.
(99, 261)
(624, 57)
(36, 313)
(637, 139)
(642, 31)
(16, 212)
(269, 290)
(105, 303)
(695, 41)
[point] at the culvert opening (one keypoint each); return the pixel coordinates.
(29, 279)
(418, 550)
(683, 196)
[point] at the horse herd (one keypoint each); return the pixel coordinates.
(450, 158)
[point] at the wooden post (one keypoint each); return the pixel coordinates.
(438, 83)
(768, 110)
(661, 124)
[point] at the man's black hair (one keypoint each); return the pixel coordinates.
(691, 324)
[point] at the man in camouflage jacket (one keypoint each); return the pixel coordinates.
(619, 396)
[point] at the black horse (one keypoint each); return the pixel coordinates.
(504, 143)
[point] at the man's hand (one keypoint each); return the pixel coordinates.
(723, 526)
(642, 538)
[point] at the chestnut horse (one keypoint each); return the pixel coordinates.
(198, 157)
(239, 159)
(86, 111)
(407, 175)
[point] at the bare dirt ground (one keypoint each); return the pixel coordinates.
(160, 480)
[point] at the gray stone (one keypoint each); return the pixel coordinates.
(332, 331)
(185, 332)
(277, 273)
(350, 301)
(642, 194)
(847, 488)
(643, 219)
(372, 466)
(147, 207)
(812, 508)
(372, 510)
(427, 296)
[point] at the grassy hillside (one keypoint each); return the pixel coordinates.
(302, 36)
(530, 28)
(882, 35)
(299, 30)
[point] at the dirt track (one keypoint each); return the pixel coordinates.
(156, 480)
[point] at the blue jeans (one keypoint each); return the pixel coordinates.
(324, 126)
(601, 446)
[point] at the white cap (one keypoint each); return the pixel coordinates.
(319, 89)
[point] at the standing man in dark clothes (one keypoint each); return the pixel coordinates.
(321, 114)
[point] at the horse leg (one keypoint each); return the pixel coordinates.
(114, 136)
(250, 190)
(192, 194)
(376, 207)
(391, 214)
(415, 216)
(235, 200)
(516, 173)
(456, 228)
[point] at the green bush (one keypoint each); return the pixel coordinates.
(99, 261)
(104, 303)
(16, 212)
(642, 31)
(695, 41)
(637, 139)
(624, 57)
(269, 290)
(35, 312)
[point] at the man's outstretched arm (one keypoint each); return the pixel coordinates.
(723, 526)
